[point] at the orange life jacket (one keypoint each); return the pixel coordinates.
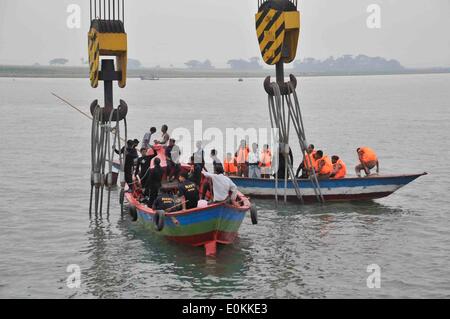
(243, 155)
(342, 171)
(230, 166)
(310, 162)
(327, 167)
(368, 155)
(266, 159)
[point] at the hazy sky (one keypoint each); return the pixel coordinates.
(416, 32)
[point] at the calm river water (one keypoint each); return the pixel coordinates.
(294, 252)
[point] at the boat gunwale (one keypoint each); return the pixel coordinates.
(335, 179)
(149, 211)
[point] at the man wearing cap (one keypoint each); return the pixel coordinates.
(188, 192)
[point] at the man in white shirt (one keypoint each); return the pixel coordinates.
(165, 137)
(222, 185)
(254, 171)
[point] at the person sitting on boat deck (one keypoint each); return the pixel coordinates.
(242, 159)
(165, 137)
(147, 140)
(131, 156)
(324, 167)
(308, 163)
(254, 171)
(222, 186)
(173, 153)
(230, 165)
(188, 192)
(339, 168)
(154, 181)
(368, 160)
(165, 201)
(282, 163)
(143, 164)
(266, 162)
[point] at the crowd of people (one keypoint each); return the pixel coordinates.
(145, 174)
(183, 189)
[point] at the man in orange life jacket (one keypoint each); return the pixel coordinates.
(242, 159)
(266, 162)
(368, 160)
(230, 165)
(324, 167)
(339, 168)
(308, 163)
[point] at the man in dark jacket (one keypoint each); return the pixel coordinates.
(154, 180)
(130, 157)
(143, 164)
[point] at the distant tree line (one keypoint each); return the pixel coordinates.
(198, 65)
(348, 63)
(240, 64)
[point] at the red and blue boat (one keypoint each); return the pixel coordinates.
(346, 189)
(216, 223)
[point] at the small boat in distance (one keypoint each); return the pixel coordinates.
(149, 78)
(241, 80)
(346, 189)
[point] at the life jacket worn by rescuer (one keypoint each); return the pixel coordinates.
(327, 167)
(230, 166)
(368, 155)
(266, 159)
(342, 171)
(310, 161)
(242, 156)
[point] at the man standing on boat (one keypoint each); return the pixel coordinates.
(266, 162)
(173, 153)
(215, 159)
(368, 160)
(165, 137)
(254, 171)
(143, 164)
(148, 137)
(242, 159)
(131, 156)
(154, 181)
(222, 186)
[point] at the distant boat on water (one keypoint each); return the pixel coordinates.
(149, 78)
(241, 80)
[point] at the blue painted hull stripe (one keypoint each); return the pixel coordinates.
(249, 183)
(203, 216)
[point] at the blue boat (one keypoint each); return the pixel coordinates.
(346, 189)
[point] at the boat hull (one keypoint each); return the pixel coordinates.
(347, 189)
(215, 224)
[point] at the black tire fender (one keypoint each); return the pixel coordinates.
(132, 211)
(254, 214)
(121, 197)
(158, 220)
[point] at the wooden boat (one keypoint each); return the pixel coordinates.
(347, 189)
(217, 223)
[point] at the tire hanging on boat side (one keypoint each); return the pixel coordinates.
(158, 220)
(133, 213)
(254, 214)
